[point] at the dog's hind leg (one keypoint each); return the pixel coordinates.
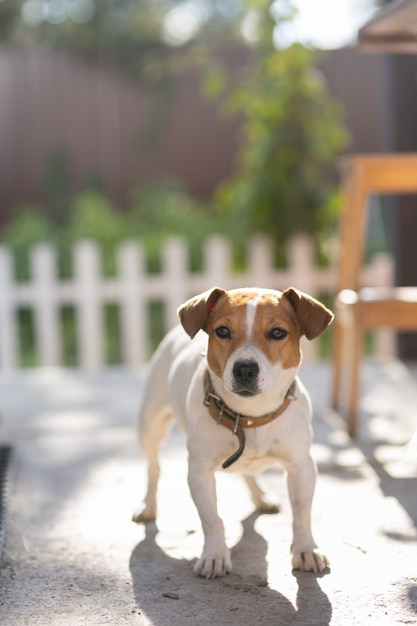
(259, 498)
(152, 432)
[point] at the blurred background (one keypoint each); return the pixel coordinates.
(142, 119)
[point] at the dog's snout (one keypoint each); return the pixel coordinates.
(246, 372)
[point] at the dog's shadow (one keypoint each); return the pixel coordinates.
(168, 593)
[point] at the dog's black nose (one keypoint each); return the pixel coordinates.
(245, 372)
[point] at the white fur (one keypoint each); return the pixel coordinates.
(250, 316)
(175, 387)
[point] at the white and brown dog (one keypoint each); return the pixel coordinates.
(242, 407)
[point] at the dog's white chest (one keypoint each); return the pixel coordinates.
(283, 441)
(261, 451)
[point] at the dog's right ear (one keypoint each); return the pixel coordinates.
(195, 312)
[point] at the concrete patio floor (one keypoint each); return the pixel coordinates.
(73, 557)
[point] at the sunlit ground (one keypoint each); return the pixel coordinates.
(73, 556)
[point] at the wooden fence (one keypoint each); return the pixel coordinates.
(132, 291)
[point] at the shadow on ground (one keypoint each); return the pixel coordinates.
(167, 592)
(396, 469)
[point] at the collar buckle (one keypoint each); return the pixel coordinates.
(207, 399)
(236, 425)
(210, 399)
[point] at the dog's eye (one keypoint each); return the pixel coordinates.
(277, 334)
(223, 332)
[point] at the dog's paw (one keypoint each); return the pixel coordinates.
(144, 516)
(309, 561)
(214, 565)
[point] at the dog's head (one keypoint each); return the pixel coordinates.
(254, 334)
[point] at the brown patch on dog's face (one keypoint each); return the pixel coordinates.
(273, 315)
(258, 329)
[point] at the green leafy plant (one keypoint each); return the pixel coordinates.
(94, 216)
(293, 133)
(161, 211)
(29, 227)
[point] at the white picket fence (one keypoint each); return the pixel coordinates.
(133, 289)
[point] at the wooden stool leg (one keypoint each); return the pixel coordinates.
(337, 365)
(355, 377)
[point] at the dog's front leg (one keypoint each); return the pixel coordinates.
(301, 479)
(215, 560)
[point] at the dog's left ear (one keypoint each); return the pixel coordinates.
(195, 312)
(313, 317)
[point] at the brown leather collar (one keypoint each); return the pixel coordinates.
(236, 422)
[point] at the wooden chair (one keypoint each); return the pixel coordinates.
(360, 309)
